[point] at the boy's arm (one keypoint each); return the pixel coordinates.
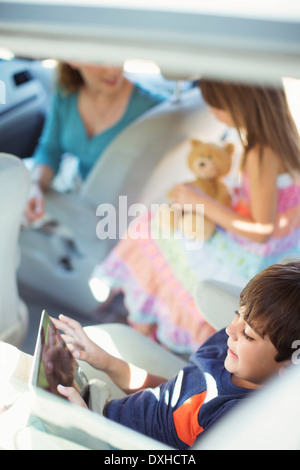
(127, 377)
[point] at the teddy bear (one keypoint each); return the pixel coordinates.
(210, 163)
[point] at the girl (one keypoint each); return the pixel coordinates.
(158, 276)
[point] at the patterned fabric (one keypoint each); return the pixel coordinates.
(158, 276)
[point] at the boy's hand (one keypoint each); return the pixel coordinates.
(127, 377)
(72, 395)
(81, 346)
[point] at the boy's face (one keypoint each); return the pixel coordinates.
(250, 358)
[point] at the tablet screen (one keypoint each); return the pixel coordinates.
(54, 362)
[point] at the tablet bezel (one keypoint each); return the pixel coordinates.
(80, 380)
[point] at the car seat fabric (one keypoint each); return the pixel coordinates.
(125, 169)
(14, 183)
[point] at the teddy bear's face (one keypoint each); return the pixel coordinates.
(204, 167)
(210, 161)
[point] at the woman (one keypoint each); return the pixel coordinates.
(91, 106)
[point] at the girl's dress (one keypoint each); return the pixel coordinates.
(158, 276)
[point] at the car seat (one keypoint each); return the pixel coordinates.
(14, 183)
(62, 254)
(217, 301)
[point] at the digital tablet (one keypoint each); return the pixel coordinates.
(53, 363)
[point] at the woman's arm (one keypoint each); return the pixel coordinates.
(47, 158)
(42, 176)
(41, 180)
(263, 194)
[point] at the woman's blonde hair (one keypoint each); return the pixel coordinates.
(68, 78)
(262, 113)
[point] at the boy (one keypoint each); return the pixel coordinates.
(224, 370)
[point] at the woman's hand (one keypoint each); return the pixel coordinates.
(81, 346)
(41, 180)
(35, 207)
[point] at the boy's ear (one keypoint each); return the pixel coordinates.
(283, 367)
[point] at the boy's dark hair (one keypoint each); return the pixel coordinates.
(271, 306)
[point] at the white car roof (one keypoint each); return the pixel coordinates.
(251, 42)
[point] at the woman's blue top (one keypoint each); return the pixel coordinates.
(64, 131)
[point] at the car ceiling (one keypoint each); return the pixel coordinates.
(186, 42)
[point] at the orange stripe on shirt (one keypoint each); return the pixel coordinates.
(186, 419)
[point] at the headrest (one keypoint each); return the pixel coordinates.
(217, 302)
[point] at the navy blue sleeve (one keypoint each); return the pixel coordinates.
(149, 412)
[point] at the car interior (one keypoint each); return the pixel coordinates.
(50, 264)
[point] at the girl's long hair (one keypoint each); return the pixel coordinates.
(262, 114)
